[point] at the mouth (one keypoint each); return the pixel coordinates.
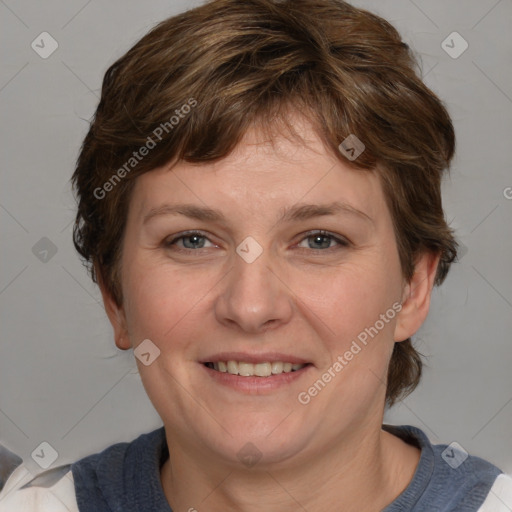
(260, 369)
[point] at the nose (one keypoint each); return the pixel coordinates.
(255, 297)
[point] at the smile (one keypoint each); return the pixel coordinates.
(264, 369)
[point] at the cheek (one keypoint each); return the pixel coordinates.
(349, 302)
(356, 296)
(160, 300)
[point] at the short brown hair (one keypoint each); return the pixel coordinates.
(249, 62)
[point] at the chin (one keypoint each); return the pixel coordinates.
(261, 439)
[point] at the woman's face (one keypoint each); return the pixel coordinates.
(257, 283)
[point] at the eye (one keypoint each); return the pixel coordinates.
(191, 240)
(195, 240)
(322, 240)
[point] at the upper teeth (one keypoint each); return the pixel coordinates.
(259, 369)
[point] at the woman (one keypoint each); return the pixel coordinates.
(259, 200)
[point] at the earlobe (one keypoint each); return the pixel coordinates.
(416, 296)
(116, 316)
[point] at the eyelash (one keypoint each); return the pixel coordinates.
(343, 243)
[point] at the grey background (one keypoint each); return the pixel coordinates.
(62, 379)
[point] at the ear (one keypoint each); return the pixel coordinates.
(416, 296)
(115, 314)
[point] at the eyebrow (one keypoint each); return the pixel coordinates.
(293, 213)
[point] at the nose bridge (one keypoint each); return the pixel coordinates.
(253, 297)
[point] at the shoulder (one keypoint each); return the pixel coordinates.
(469, 481)
(55, 490)
(50, 491)
(499, 498)
(108, 480)
(450, 479)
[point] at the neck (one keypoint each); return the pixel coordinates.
(363, 472)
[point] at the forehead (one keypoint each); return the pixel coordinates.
(261, 175)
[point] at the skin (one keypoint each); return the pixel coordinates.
(301, 296)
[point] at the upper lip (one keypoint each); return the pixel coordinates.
(266, 357)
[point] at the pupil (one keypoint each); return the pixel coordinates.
(194, 240)
(319, 238)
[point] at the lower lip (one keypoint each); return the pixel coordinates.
(256, 385)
